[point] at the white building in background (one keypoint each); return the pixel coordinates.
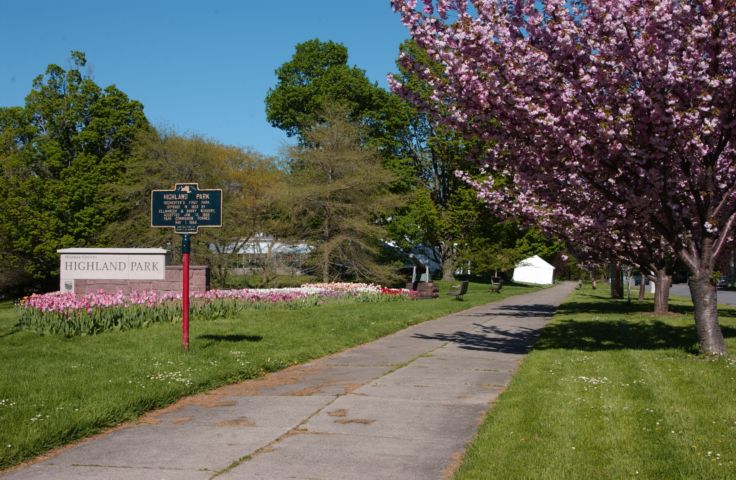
(534, 270)
(261, 249)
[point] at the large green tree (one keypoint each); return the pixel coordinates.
(60, 152)
(338, 191)
(317, 78)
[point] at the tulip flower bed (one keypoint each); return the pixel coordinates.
(70, 315)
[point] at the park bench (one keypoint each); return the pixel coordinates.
(458, 291)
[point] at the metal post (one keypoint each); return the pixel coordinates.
(169, 252)
(185, 248)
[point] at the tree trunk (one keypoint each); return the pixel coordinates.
(662, 283)
(326, 267)
(642, 287)
(326, 237)
(593, 281)
(705, 300)
(448, 270)
(617, 284)
(448, 261)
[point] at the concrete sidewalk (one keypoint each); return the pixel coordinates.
(402, 407)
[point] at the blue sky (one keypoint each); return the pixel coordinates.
(199, 67)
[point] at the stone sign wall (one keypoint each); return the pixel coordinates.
(199, 281)
(87, 270)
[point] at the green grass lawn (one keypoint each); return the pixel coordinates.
(610, 391)
(55, 389)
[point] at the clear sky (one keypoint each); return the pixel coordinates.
(199, 67)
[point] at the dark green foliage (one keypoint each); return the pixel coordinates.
(318, 77)
(490, 245)
(338, 191)
(443, 209)
(60, 152)
(444, 212)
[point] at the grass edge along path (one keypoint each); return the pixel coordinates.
(612, 391)
(54, 390)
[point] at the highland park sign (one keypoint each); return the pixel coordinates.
(110, 264)
(186, 208)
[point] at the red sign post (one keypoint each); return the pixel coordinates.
(185, 248)
(186, 209)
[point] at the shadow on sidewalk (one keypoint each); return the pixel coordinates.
(531, 311)
(489, 339)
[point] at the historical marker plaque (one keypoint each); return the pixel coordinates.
(186, 208)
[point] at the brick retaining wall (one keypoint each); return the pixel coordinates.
(199, 281)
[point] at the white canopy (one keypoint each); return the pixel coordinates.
(534, 270)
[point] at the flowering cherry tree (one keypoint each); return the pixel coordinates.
(588, 227)
(632, 101)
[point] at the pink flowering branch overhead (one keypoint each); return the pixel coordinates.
(632, 101)
(589, 223)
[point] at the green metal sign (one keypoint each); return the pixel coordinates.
(186, 208)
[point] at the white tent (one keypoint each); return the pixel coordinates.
(534, 270)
